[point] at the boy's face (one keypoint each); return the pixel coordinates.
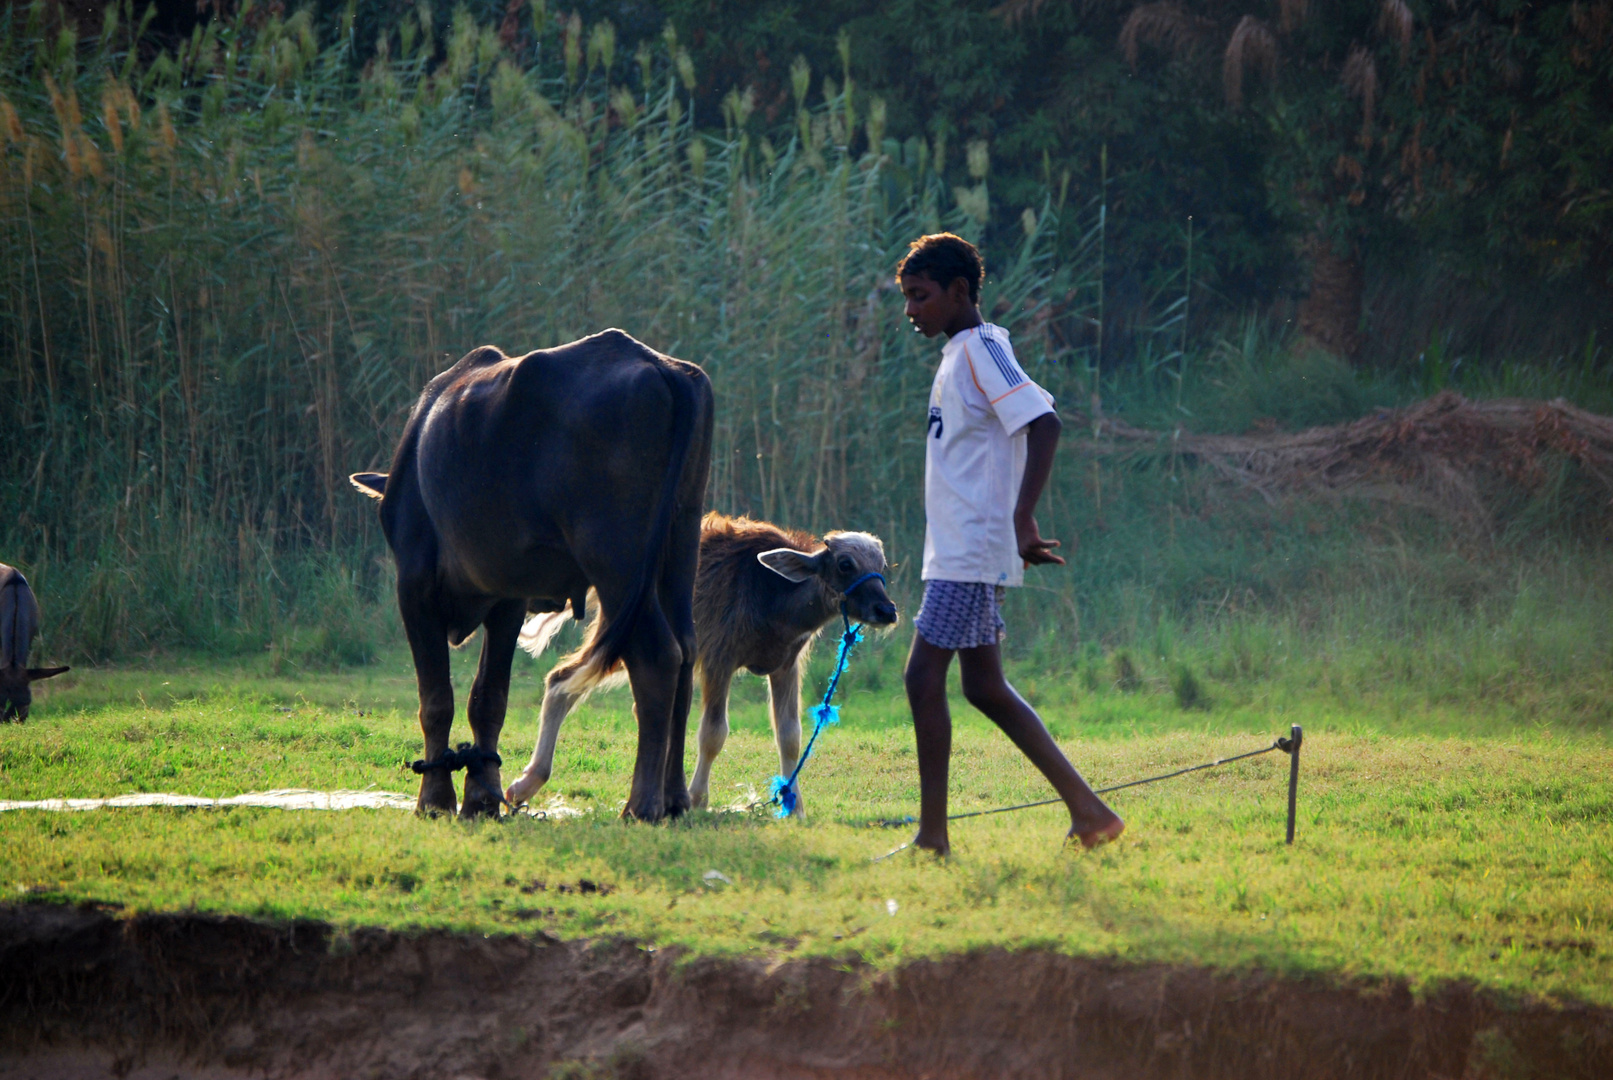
(935, 310)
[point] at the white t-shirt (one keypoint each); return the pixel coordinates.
(974, 459)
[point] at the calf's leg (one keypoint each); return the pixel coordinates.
(489, 700)
(784, 708)
(713, 731)
(557, 705)
(428, 641)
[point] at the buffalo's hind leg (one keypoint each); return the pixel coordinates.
(677, 600)
(428, 641)
(489, 699)
(678, 799)
(654, 663)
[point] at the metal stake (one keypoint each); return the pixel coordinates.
(1296, 735)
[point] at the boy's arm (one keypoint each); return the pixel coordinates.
(1041, 440)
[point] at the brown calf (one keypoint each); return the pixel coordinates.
(762, 593)
(19, 622)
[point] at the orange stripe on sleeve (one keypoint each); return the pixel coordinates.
(1015, 390)
(970, 360)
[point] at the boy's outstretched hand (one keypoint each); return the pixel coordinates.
(1035, 550)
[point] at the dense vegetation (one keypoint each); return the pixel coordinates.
(1415, 170)
(224, 295)
(230, 257)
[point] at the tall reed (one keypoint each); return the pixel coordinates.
(227, 271)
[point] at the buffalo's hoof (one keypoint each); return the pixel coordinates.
(478, 808)
(481, 795)
(436, 796)
(678, 803)
(644, 810)
(432, 810)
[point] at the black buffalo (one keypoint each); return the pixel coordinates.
(519, 484)
(19, 622)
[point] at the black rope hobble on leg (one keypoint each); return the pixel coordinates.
(470, 757)
(1296, 736)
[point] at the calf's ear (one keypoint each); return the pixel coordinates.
(372, 484)
(37, 673)
(789, 564)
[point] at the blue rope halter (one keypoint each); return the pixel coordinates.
(847, 591)
(786, 795)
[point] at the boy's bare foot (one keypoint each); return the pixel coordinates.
(937, 846)
(1094, 833)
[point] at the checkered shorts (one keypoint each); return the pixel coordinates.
(961, 614)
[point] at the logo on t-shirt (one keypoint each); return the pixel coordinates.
(935, 421)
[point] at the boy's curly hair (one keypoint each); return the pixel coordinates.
(943, 258)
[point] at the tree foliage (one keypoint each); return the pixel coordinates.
(1477, 134)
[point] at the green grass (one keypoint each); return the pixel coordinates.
(1424, 853)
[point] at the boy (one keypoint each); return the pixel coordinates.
(988, 451)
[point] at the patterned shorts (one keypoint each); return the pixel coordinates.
(961, 614)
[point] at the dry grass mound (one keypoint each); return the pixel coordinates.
(1466, 460)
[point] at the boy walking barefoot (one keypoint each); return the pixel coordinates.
(989, 450)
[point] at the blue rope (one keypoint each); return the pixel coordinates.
(786, 795)
(854, 584)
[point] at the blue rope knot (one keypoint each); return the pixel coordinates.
(786, 795)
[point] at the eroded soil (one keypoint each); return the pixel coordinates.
(85, 992)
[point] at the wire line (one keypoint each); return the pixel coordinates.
(1118, 787)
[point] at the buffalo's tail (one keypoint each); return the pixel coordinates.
(608, 640)
(583, 670)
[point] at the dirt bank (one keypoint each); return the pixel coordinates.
(85, 992)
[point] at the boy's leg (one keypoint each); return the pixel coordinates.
(984, 685)
(926, 680)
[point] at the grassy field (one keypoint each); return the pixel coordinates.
(1424, 852)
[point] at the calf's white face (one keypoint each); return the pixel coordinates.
(845, 563)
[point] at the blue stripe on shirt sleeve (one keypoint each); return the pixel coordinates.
(1010, 371)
